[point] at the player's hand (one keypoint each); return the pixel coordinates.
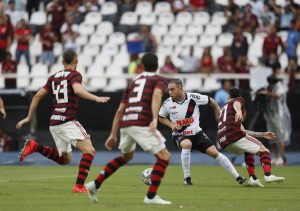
(110, 142)
(239, 116)
(270, 135)
(153, 126)
(176, 127)
(22, 122)
(2, 111)
(102, 99)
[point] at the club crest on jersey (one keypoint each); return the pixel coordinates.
(173, 107)
(185, 122)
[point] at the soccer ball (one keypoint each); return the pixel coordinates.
(145, 176)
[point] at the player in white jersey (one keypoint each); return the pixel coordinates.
(183, 112)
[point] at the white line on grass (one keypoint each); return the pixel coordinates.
(35, 178)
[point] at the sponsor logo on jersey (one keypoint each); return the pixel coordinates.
(61, 74)
(222, 139)
(173, 107)
(129, 117)
(185, 122)
(195, 96)
(187, 132)
(58, 117)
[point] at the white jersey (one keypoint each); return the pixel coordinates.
(185, 113)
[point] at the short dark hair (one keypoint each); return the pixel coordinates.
(69, 56)
(176, 81)
(150, 62)
(234, 93)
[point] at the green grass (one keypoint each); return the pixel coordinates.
(46, 188)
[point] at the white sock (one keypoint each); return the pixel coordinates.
(227, 165)
(186, 162)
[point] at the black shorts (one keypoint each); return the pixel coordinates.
(200, 141)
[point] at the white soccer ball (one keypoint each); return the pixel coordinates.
(145, 176)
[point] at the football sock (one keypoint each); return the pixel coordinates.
(186, 162)
(158, 172)
(250, 162)
(50, 153)
(227, 165)
(265, 161)
(109, 169)
(84, 167)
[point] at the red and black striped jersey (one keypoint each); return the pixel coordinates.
(229, 130)
(65, 101)
(138, 99)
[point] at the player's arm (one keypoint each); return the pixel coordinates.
(2, 109)
(165, 121)
(33, 105)
(155, 106)
(267, 135)
(112, 139)
(237, 106)
(81, 92)
(212, 103)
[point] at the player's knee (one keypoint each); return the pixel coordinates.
(186, 144)
(166, 155)
(128, 156)
(212, 151)
(264, 149)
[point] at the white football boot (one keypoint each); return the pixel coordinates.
(273, 178)
(92, 191)
(254, 183)
(156, 200)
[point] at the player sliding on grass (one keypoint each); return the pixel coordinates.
(235, 139)
(137, 117)
(65, 89)
(183, 111)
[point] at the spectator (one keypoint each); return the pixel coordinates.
(292, 41)
(168, 67)
(2, 7)
(190, 63)
(72, 8)
(69, 23)
(226, 63)
(4, 38)
(5, 141)
(177, 6)
(47, 38)
(293, 69)
(248, 20)
(278, 117)
(257, 7)
(233, 20)
(69, 38)
(57, 12)
(206, 62)
(10, 28)
(32, 5)
(266, 19)
(243, 66)
(198, 5)
(271, 44)
(135, 66)
(9, 66)
(89, 6)
(148, 39)
(239, 44)
(221, 96)
(273, 62)
(23, 35)
(286, 17)
(14, 14)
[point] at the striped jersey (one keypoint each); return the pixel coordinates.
(185, 113)
(65, 101)
(138, 99)
(229, 130)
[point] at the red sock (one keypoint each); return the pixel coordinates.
(109, 169)
(265, 161)
(84, 167)
(158, 172)
(250, 162)
(50, 153)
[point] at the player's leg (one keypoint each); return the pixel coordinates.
(205, 145)
(88, 153)
(186, 146)
(127, 146)
(265, 160)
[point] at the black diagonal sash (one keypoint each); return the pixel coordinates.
(189, 113)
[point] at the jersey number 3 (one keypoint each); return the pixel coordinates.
(139, 87)
(61, 88)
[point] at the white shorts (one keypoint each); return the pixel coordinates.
(67, 134)
(130, 136)
(246, 144)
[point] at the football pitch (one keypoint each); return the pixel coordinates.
(46, 188)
